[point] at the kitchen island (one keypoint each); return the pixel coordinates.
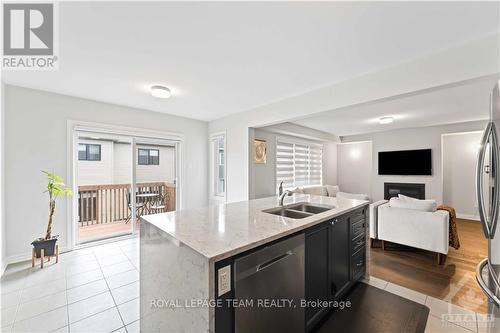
(187, 257)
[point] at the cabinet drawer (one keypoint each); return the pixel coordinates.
(357, 228)
(358, 264)
(357, 243)
(358, 214)
(357, 219)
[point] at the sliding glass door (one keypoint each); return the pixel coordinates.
(155, 176)
(104, 179)
(120, 178)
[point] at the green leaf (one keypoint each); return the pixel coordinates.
(56, 186)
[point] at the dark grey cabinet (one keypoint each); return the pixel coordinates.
(317, 275)
(340, 253)
(334, 261)
(358, 241)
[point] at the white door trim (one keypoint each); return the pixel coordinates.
(211, 169)
(85, 126)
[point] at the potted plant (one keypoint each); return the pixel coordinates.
(55, 188)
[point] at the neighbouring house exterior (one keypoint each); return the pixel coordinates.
(104, 177)
(113, 166)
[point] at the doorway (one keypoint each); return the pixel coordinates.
(459, 159)
(118, 179)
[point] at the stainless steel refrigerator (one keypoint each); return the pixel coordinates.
(488, 198)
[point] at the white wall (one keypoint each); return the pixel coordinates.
(355, 167)
(263, 176)
(36, 139)
(330, 169)
(3, 233)
(472, 60)
(406, 139)
(459, 170)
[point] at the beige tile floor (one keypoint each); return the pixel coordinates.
(90, 290)
(97, 290)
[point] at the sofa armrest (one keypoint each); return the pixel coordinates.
(424, 230)
(374, 217)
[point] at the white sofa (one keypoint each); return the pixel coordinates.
(329, 191)
(416, 224)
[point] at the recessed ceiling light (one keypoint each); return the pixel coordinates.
(160, 92)
(386, 120)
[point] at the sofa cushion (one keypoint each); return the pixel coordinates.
(332, 190)
(414, 204)
(355, 196)
(315, 190)
(429, 202)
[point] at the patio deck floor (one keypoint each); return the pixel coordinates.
(91, 232)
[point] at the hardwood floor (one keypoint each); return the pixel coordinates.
(416, 269)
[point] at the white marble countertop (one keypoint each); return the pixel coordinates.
(220, 231)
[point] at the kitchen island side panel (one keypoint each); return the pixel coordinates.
(172, 275)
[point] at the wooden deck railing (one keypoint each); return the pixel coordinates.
(110, 202)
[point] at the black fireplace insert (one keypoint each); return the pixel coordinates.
(413, 190)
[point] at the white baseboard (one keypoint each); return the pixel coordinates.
(468, 217)
(13, 259)
(17, 258)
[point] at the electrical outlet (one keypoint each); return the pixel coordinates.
(224, 280)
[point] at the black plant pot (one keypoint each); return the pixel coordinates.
(48, 245)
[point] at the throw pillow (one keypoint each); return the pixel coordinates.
(332, 190)
(414, 204)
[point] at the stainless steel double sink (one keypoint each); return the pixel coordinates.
(299, 210)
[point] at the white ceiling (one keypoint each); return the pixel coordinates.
(223, 58)
(455, 104)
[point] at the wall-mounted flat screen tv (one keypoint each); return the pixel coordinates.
(405, 162)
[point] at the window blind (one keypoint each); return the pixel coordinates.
(298, 164)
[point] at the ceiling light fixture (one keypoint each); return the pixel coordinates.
(160, 92)
(386, 120)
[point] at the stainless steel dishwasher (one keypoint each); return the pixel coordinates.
(272, 274)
